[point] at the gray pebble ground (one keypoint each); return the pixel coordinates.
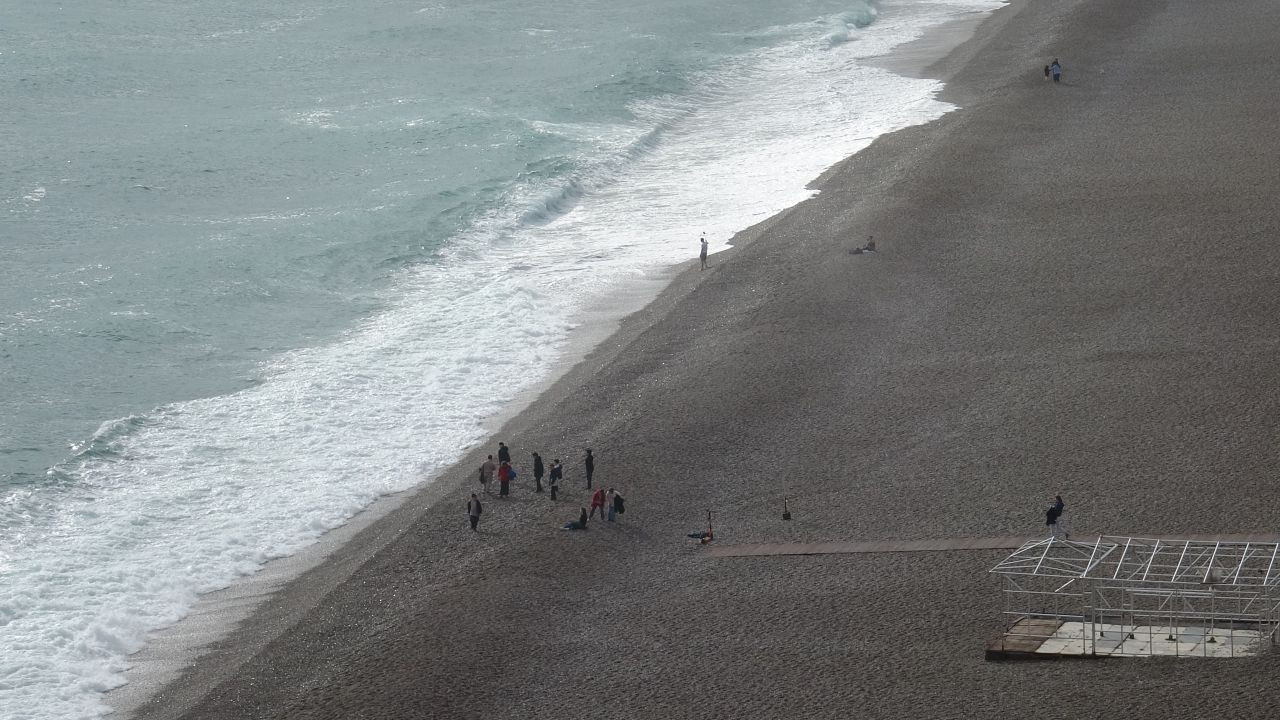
(1076, 292)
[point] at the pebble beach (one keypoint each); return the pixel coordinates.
(1074, 293)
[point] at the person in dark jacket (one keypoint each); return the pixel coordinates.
(557, 472)
(504, 453)
(474, 508)
(590, 462)
(486, 474)
(537, 471)
(1051, 517)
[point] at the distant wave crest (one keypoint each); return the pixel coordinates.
(856, 18)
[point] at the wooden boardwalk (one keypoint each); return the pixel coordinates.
(1012, 542)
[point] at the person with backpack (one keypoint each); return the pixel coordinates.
(557, 472)
(506, 474)
(474, 508)
(537, 472)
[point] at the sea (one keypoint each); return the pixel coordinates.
(266, 263)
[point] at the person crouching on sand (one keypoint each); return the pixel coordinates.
(597, 502)
(474, 508)
(581, 524)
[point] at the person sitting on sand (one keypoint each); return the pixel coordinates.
(581, 524)
(870, 247)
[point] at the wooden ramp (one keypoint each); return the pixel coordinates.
(1012, 542)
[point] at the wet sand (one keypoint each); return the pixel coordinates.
(1075, 293)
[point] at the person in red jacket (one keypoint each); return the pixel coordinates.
(597, 503)
(505, 475)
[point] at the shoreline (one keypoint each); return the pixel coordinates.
(1043, 317)
(217, 618)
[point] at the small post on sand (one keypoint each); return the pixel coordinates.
(786, 513)
(710, 535)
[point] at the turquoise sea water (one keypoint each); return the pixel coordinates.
(191, 188)
(265, 262)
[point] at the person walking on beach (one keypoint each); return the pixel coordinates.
(505, 475)
(504, 455)
(597, 503)
(557, 472)
(1056, 69)
(487, 469)
(1052, 515)
(702, 256)
(474, 508)
(590, 462)
(1046, 72)
(537, 471)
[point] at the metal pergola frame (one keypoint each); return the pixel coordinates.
(1204, 588)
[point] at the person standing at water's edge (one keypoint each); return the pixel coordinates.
(557, 472)
(504, 454)
(590, 463)
(702, 256)
(537, 472)
(474, 508)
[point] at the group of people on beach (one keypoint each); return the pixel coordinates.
(504, 472)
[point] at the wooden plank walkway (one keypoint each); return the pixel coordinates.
(1012, 542)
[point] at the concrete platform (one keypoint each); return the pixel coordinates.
(1041, 639)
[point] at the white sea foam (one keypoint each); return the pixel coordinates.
(197, 494)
